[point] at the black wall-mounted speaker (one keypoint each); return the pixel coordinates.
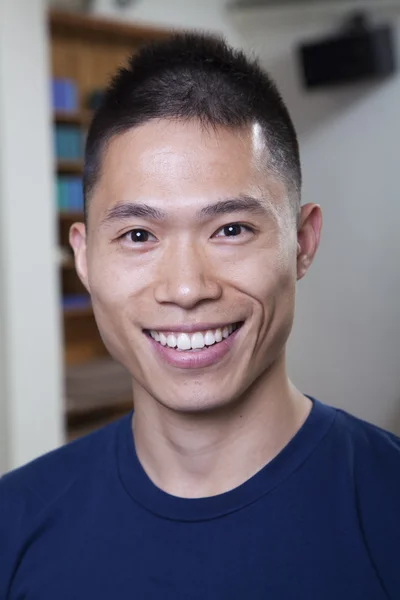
(353, 56)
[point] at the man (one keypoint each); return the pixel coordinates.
(226, 482)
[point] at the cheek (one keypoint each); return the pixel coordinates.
(111, 292)
(267, 275)
(275, 293)
(272, 290)
(122, 296)
(110, 288)
(276, 304)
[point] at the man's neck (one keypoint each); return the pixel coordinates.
(200, 455)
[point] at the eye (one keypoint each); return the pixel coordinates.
(234, 229)
(137, 236)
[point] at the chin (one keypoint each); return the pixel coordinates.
(198, 406)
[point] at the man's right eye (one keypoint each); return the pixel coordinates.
(137, 235)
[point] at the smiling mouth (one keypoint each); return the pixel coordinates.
(199, 340)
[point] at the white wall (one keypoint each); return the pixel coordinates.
(204, 14)
(30, 366)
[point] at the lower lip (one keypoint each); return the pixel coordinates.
(195, 359)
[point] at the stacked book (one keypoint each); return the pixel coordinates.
(68, 143)
(77, 302)
(64, 95)
(69, 193)
(99, 385)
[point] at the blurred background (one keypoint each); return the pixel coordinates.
(336, 64)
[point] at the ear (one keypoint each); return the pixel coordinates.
(77, 239)
(308, 237)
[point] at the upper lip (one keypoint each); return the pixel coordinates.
(192, 328)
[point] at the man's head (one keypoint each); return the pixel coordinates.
(192, 185)
(198, 78)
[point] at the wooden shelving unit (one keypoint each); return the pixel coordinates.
(72, 119)
(74, 167)
(69, 264)
(85, 311)
(87, 50)
(70, 217)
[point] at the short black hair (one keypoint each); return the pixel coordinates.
(194, 76)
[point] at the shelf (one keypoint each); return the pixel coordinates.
(79, 426)
(81, 119)
(77, 305)
(74, 167)
(68, 118)
(118, 405)
(93, 29)
(68, 264)
(71, 216)
(96, 388)
(78, 311)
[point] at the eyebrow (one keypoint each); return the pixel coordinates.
(243, 203)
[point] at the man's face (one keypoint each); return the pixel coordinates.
(191, 267)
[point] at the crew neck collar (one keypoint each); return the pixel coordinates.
(143, 491)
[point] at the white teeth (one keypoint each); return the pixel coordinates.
(197, 341)
(209, 338)
(171, 340)
(183, 341)
(155, 335)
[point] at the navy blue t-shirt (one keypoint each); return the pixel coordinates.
(319, 522)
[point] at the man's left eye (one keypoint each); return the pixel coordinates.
(234, 229)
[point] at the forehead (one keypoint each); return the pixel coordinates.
(176, 162)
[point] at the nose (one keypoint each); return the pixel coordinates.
(187, 277)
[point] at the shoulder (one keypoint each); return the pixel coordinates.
(36, 485)
(378, 448)
(365, 448)
(29, 493)
(373, 461)
(372, 453)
